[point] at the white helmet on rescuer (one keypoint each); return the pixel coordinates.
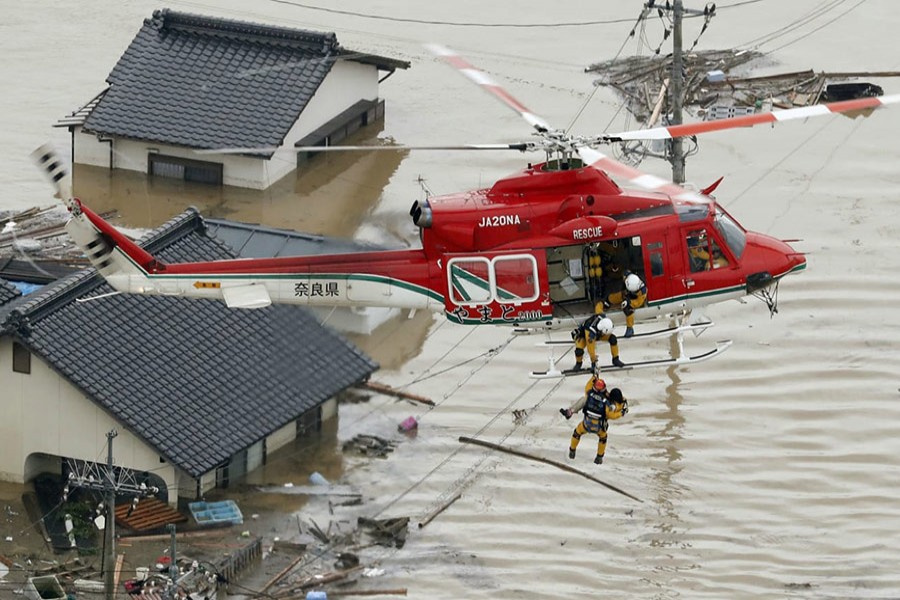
(633, 283)
(604, 326)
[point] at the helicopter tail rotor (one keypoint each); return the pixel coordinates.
(56, 170)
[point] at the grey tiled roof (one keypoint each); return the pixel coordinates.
(196, 380)
(8, 292)
(255, 241)
(206, 82)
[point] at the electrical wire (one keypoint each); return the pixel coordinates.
(542, 25)
(826, 24)
(814, 14)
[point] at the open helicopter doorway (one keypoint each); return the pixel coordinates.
(582, 276)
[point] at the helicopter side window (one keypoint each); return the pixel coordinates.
(656, 264)
(719, 259)
(698, 250)
(704, 252)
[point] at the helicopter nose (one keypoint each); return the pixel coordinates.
(769, 259)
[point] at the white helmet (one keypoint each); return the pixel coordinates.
(604, 326)
(633, 283)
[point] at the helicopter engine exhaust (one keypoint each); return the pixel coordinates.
(421, 214)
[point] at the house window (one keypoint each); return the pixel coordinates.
(184, 168)
(310, 421)
(21, 358)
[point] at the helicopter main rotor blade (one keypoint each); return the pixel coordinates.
(777, 116)
(481, 78)
(521, 147)
(634, 178)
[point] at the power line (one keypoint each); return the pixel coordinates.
(449, 23)
(793, 25)
(806, 35)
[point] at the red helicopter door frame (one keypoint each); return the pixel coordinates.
(502, 288)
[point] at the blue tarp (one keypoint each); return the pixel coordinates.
(25, 287)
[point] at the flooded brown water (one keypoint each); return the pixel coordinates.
(772, 471)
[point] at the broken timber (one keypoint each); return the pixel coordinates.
(439, 510)
(382, 388)
(563, 466)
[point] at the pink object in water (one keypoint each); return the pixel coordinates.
(408, 424)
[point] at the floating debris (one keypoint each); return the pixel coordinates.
(369, 445)
(386, 532)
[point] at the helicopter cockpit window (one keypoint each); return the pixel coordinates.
(731, 232)
(704, 252)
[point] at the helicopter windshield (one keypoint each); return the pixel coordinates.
(731, 232)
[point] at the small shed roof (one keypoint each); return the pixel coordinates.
(196, 380)
(205, 82)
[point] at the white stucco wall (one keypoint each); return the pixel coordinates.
(43, 413)
(281, 437)
(347, 83)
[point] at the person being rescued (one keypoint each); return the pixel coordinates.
(596, 327)
(632, 297)
(599, 406)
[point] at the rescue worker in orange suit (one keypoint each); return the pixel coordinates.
(633, 296)
(599, 406)
(594, 328)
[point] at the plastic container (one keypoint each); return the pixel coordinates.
(408, 424)
(316, 595)
(317, 478)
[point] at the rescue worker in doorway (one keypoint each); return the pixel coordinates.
(594, 328)
(599, 406)
(633, 296)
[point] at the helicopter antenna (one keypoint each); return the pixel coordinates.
(422, 184)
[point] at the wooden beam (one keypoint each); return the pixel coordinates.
(556, 464)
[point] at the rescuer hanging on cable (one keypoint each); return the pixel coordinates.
(599, 407)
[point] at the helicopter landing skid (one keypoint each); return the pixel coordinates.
(721, 346)
(697, 328)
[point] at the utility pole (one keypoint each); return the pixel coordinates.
(677, 79)
(677, 91)
(109, 524)
(108, 482)
(173, 564)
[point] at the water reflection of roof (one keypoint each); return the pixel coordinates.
(197, 381)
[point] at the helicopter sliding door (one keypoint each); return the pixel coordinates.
(500, 288)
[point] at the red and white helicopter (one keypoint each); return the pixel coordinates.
(523, 252)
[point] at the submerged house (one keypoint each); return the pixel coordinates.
(199, 394)
(226, 102)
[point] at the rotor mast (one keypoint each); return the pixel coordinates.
(677, 158)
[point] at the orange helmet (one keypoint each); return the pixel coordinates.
(599, 384)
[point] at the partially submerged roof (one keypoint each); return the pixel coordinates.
(256, 241)
(196, 380)
(205, 82)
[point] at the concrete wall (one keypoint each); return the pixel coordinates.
(347, 83)
(44, 414)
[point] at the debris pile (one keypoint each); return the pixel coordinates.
(369, 445)
(40, 232)
(331, 561)
(711, 79)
